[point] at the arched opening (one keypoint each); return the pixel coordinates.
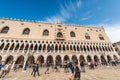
(84, 48)
(5, 29)
(96, 59)
(59, 34)
(97, 48)
(56, 47)
(94, 48)
(50, 59)
(70, 47)
(72, 34)
(103, 48)
(26, 47)
(17, 47)
(31, 59)
(67, 47)
(74, 59)
(66, 57)
(20, 60)
(81, 58)
(78, 49)
(45, 32)
(9, 59)
(63, 47)
(81, 48)
(7, 46)
(91, 48)
(48, 48)
(12, 46)
(40, 59)
(74, 48)
(35, 48)
(26, 31)
(89, 58)
(109, 58)
(58, 60)
(100, 48)
(31, 47)
(115, 57)
(22, 47)
(0, 59)
(40, 47)
(44, 47)
(2, 46)
(103, 61)
(88, 48)
(59, 47)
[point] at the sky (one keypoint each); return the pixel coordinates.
(83, 12)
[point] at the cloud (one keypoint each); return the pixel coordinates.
(85, 18)
(113, 31)
(67, 11)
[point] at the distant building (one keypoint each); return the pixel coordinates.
(117, 47)
(22, 41)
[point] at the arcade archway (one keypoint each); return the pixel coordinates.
(89, 58)
(50, 59)
(9, 59)
(40, 59)
(66, 57)
(81, 58)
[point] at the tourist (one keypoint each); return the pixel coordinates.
(71, 68)
(91, 65)
(77, 73)
(66, 65)
(48, 65)
(6, 70)
(33, 70)
(36, 70)
(0, 66)
(82, 65)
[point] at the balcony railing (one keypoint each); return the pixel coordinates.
(45, 51)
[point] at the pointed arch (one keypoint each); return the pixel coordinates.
(7, 46)
(40, 47)
(72, 34)
(31, 47)
(27, 47)
(66, 57)
(36, 47)
(87, 36)
(5, 30)
(50, 59)
(81, 58)
(22, 47)
(45, 32)
(9, 59)
(17, 46)
(2, 46)
(89, 59)
(40, 59)
(31, 59)
(26, 31)
(20, 60)
(12, 46)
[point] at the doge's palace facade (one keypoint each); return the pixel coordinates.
(41, 42)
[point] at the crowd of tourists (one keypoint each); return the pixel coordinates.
(72, 67)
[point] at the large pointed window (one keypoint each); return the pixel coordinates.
(59, 34)
(5, 29)
(87, 36)
(72, 34)
(45, 32)
(26, 31)
(101, 37)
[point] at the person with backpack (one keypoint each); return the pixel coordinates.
(77, 74)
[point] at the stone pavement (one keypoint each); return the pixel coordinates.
(101, 73)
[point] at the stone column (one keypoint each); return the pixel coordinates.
(24, 65)
(13, 64)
